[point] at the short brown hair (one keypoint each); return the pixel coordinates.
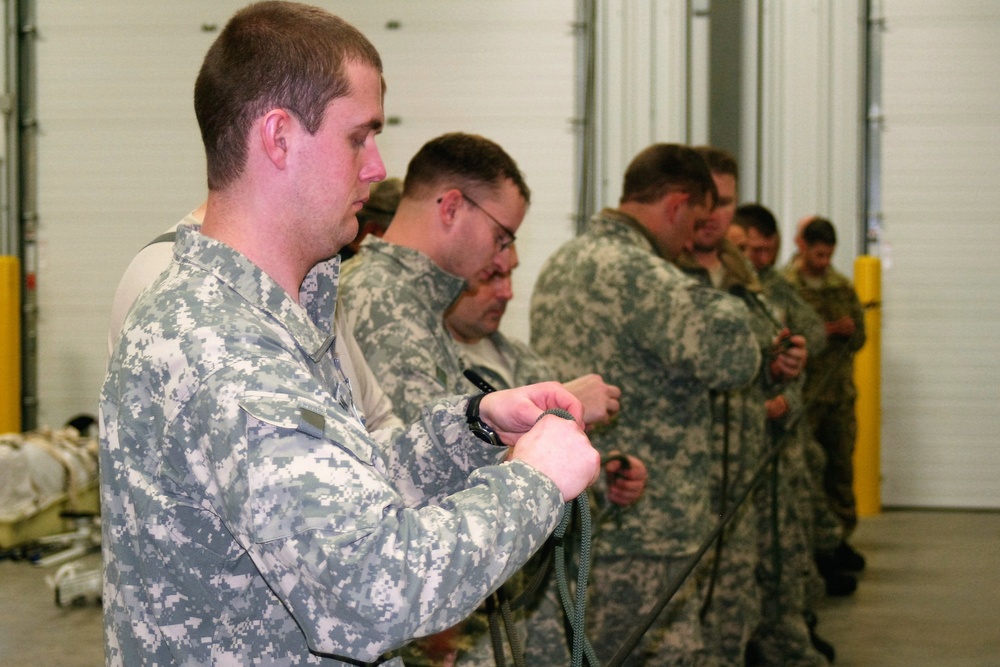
(271, 55)
(758, 218)
(464, 161)
(819, 230)
(664, 168)
(719, 161)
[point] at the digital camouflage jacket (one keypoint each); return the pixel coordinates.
(607, 303)
(831, 372)
(249, 518)
(394, 299)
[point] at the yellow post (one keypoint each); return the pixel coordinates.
(10, 345)
(868, 379)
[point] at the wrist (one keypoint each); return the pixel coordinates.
(477, 426)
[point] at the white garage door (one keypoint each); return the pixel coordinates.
(120, 158)
(941, 344)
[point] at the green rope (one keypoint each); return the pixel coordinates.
(576, 611)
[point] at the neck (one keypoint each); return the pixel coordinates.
(641, 217)
(806, 270)
(467, 338)
(708, 259)
(229, 220)
(413, 227)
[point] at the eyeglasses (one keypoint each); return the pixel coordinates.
(506, 230)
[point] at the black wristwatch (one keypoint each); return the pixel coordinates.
(479, 428)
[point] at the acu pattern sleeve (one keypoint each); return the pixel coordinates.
(394, 303)
(360, 571)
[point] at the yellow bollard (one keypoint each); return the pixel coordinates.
(10, 345)
(868, 379)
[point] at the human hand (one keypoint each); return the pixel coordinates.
(513, 412)
(625, 482)
(556, 447)
(843, 327)
(776, 407)
(441, 647)
(600, 399)
(790, 356)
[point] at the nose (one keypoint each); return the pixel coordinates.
(505, 288)
(373, 169)
(502, 259)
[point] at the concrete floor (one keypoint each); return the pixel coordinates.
(929, 596)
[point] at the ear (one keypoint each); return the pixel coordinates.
(275, 133)
(447, 206)
(672, 203)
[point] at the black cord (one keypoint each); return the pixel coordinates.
(723, 493)
(674, 585)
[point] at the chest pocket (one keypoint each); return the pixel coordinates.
(309, 467)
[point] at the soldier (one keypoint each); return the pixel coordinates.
(474, 321)
(759, 231)
(829, 390)
(758, 595)
(463, 201)
(611, 302)
(248, 518)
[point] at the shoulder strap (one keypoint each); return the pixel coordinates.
(167, 237)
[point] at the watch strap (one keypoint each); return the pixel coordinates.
(479, 428)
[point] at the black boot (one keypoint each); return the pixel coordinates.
(846, 558)
(820, 644)
(838, 583)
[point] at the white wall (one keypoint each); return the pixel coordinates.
(120, 158)
(641, 82)
(810, 141)
(808, 135)
(941, 313)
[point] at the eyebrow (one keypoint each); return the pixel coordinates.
(374, 125)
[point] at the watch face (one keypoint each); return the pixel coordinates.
(485, 433)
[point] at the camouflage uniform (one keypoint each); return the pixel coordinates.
(829, 388)
(394, 299)
(606, 302)
(791, 582)
(248, 517)
(759, 584)
(541, 622)
(802, 452)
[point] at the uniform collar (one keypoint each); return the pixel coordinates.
(738, 270)
(626, 225)
(440, 287)
(309, 322)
